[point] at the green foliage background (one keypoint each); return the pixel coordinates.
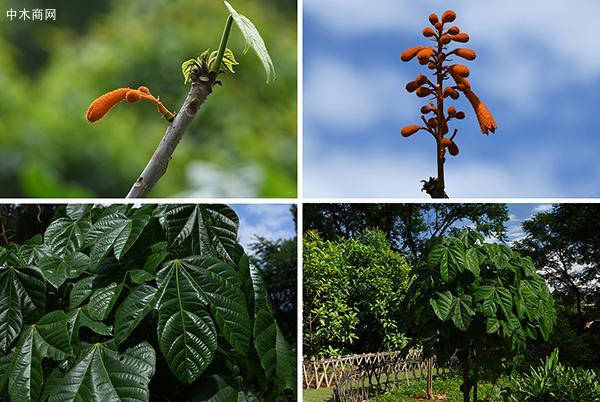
(242, 143)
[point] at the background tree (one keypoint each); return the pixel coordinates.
(475, 299)
(408, 227)
(352, 294)
(277, 261)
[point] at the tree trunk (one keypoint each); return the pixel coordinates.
(466, 380)
(430, 378)
(475, 373)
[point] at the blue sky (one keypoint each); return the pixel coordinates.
(272, 221)
(519, 213)
(538, 70)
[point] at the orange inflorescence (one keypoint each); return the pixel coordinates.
(103, 104)
(461, 37)
(459, 69)
(485, 118)
(409, 54)
(448, 16)
(466, 53)
(410, 130)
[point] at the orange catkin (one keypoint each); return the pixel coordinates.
(461, 37)
(448, 16)
(465, 53)
(133, 95)
(485, 118)
(103, 104)
(410, 130)
(409, 54)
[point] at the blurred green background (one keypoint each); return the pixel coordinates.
(241, 144)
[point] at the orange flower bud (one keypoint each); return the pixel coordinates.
(426, 109)
(144, 89)
(465, 53)
(431, 66)
(438, 26)
(451, 111)
(454, 30)
(450, 92)
(428, 32)
(459, 69)
(484, 117)
(409, 54)
(424, 55)
(453, 149)
(445, 39)
(423, 92)
(432, 122)
(421, 79)
(461, 37)
(433, 19)
(459, 115)
(462, 83)
(410, 130)
(448, 16)
(103, 104)
(412, 86)
(133, 96)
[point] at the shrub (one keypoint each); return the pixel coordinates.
(553, 382)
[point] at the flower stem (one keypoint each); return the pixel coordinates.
(223, 44)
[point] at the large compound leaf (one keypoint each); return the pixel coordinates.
(220, 284)
(65, 235)
(442, 305)
(140, 301)
(103, 300)
(47, 338)
(186, 333)
(81, 290)
(275, 355)
(253, 40)
(22, 292)
(77, 319)
(57, 269)
(101, 374)
(207, 229)
(462, 312)
(117, 232)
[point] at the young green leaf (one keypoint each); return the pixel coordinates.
(253, 40)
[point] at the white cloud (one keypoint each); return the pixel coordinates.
(345, 97)
(383, 174)
(542, 208)
(269, 221)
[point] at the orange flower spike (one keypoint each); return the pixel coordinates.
(410, 130)
(465, 53)
(103, 104)
(448, 16)
(409, 54)
(484, 116)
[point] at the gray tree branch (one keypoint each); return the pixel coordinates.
(157, 165)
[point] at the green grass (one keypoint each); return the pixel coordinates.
(450, 387)
(317, 395)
